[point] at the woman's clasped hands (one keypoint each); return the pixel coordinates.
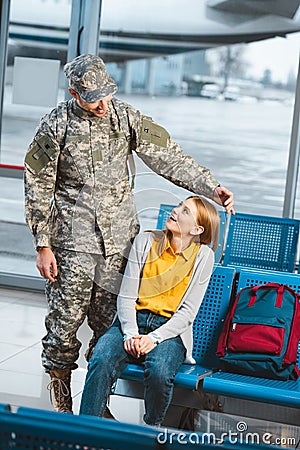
(139, 345)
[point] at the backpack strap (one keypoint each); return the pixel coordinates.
(280, 290)
(62, 123)
(124, 125)
(268, 286)
(222, 342)
(294, 337)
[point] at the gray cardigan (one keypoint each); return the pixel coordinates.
(181, 323)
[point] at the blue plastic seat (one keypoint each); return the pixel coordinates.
(163, 215)
(283, 393)
(219, 253)
(206, 329)
(35, 429)
(262, 242)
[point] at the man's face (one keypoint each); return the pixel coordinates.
(99, 108)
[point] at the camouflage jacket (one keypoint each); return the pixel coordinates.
(78, 194)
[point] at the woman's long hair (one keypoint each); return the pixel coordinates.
(207, 217)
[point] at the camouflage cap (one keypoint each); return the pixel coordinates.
(88, 77)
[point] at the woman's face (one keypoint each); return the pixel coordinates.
(183, 219)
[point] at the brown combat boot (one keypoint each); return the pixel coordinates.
(60, 384)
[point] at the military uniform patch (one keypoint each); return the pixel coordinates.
(42, 151)
(154, 133)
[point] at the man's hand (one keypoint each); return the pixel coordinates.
(224, 197)
(46, 264)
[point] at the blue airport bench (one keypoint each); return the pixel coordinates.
(165, 212)
(281, 394)
(284, 396)
(163, 215)
(34, 429)
(206, 328)
(262, 242)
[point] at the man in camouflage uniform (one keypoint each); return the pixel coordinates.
(80, 206)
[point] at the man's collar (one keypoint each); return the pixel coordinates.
(82, 113)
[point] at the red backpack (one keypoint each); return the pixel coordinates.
(261, 333)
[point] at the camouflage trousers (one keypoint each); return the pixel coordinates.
(87, 286)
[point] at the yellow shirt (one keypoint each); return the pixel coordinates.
(165, 278)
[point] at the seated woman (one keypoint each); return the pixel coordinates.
(163, 286)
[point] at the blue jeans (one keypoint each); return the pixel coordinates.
(110, 359)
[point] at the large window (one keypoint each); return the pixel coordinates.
(242, 133)
(36, 50)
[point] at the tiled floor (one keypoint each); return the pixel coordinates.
(24, 383)
(22, 378)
